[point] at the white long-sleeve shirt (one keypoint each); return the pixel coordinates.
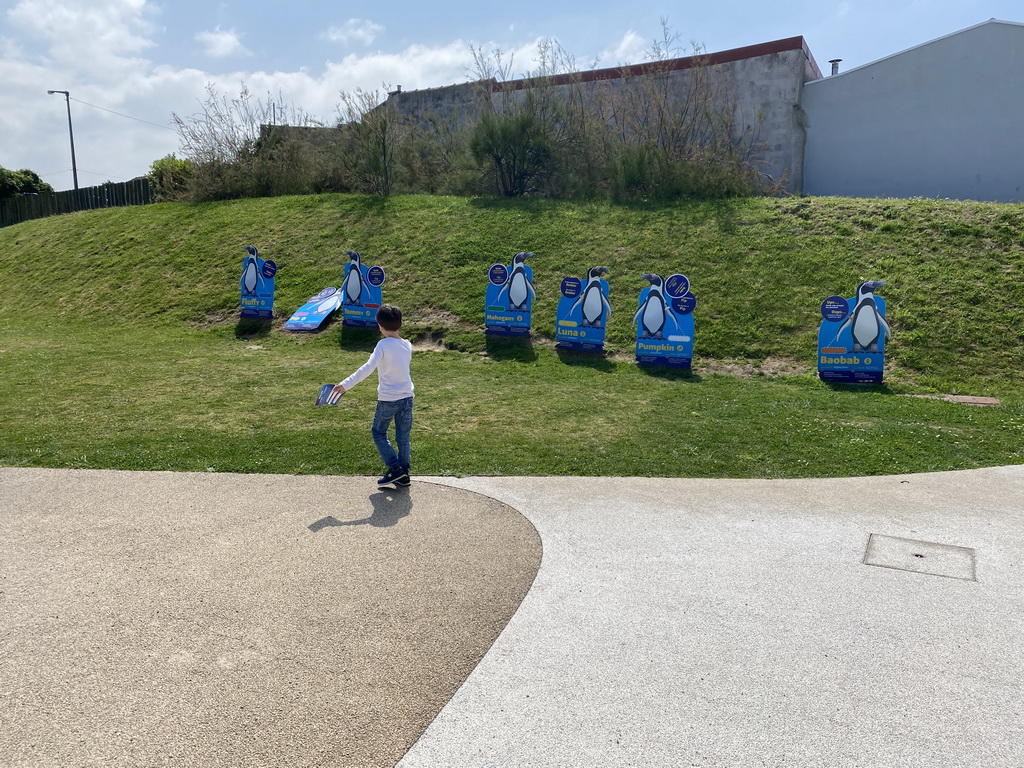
(391, 357)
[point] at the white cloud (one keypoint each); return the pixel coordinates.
(355, 30)
(221, 43)
(631, 49)
(103, 33)
(109, 146)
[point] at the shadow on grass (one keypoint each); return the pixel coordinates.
(516, 348)
(726, 213)
(356, 339)
(839, 386)
(670, 373)
(595, 360)
(252, 328)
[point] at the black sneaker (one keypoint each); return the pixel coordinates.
(403, 481)
(392, 475)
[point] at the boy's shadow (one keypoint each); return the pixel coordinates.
(389, 506)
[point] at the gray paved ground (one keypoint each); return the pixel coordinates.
(734, 623)
(671, 623)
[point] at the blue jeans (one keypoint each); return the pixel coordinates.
(401, 412)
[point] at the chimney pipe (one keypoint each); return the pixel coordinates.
(835, 65)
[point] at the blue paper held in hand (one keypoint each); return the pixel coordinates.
(325, 393)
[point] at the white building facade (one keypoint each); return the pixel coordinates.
(942, 120)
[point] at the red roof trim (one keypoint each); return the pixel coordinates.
(671, 65)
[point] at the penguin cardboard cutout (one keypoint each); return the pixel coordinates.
(851, 339)
(664, 322)
(257, 282)
(311, 315)
(360, 292)
(583, 311)
(509, 298)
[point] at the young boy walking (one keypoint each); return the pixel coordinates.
(391, 358)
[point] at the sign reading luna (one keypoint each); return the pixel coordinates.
(664, 322)
(851, 340)
(257, 283)
(583, 310)
(360, 293)
(509, 298)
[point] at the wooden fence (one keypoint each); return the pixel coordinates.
(24, 207)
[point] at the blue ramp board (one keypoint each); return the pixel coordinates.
(311, 315)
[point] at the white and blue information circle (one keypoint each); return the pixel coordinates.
(257, 284)
(851, 338)
(664, 322)
(583, 312)
(508, 300)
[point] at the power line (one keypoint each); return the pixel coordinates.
(82, 170)
(165, 127)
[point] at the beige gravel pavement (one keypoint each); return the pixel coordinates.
(159, 619)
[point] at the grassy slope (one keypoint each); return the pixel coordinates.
(130, 314)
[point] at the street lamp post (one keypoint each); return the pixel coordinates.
(71, 133)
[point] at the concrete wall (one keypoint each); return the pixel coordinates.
(761, 86)
(452, 104)
(942, 120)
(768, 93)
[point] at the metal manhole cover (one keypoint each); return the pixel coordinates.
(920, 557)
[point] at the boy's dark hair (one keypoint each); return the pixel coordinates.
(389, 318)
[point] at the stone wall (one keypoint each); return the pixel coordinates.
(759, 85)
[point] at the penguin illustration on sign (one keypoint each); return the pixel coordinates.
(594, 304)
(330, 302)
(654, 310)
(518, 287)
(251, 271)
(352, 288)
(867, 323)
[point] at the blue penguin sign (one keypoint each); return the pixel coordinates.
(583, 311)
(851, 340)
(257, 283)
(360, 292)
(664, 322)
(509, 298)
(311, 315)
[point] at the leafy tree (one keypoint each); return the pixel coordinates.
(517, 150)
(372, 134)
(234, 149)
(21, 182)
(532, 139)
(170, 177)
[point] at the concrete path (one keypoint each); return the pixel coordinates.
(736, 623)
(170, 619)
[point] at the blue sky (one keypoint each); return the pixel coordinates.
(130, 64)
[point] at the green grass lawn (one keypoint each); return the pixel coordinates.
(121, 346)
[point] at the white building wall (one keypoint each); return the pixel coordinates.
(942, 120)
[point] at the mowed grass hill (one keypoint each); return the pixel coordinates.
(122, 347)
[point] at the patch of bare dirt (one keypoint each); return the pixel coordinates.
(212, 319)
(771, 367)
(990, 402)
